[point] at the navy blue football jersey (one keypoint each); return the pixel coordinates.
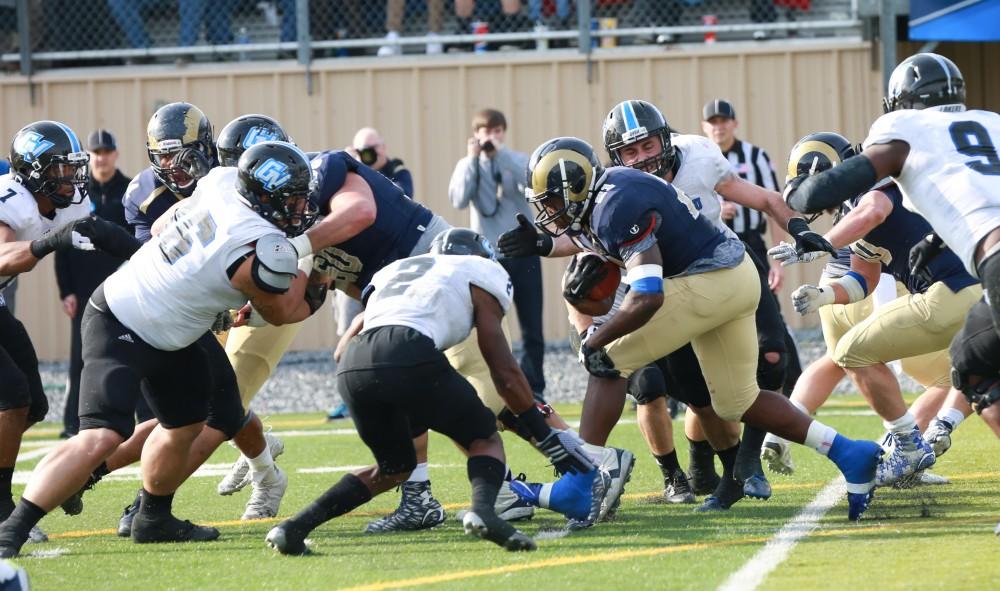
(399, 222)
(146, 199)
(634, 210)
(891, 241)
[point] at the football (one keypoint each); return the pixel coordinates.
(600, 297)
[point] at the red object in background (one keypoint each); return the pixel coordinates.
(800, 4)
(709, 20)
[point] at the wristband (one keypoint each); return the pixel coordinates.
(534, 421)
(303, 246)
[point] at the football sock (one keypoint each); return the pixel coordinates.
(419, 473)
(748, 458)
(486, 475)
(702, 457)
(668, 463)
(6, 498)
(902, 425)
(820, 437)
(155, 505)
(346, 495)
(952, 415)
(728, 459)
(261, 465)
(20, 522)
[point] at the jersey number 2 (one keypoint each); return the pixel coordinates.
(972, 139)
(407, 274)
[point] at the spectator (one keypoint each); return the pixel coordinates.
(491, 178)
(216, 16)
(511, 20)
(562, 11)
(79, 272)
(394, 10)
(369, 148)
(752, 164)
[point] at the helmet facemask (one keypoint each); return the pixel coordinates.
(657, 164)
(179, 166)
(63, 180)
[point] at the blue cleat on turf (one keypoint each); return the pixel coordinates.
(908, 453)
(757, 487)
(577, 496)
(858, 461)
(339, 412)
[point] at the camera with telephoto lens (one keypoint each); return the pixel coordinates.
(368, 155)
(487, 146)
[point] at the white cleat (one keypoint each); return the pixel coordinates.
(266, 496)
(618, 463)
(238, 476)
(938, 436)
(778, 455)
(905, 454)
(510, 507)
(36, 535)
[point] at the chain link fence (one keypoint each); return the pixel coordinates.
(50, 33)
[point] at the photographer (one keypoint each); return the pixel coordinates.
(369, 149)
(491, 178)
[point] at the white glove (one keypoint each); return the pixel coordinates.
(787, 255)
(809, 298)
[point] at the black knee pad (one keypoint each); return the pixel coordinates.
(647, 384)
(771, 376)
(982, 395)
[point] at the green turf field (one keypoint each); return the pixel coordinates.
(926, 538)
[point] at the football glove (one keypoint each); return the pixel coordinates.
(807, 240)
(809, 298)
(923, 253)
(87, 234)
(597, 362)
(524, 240)
(582, 276)
(565, 450)
(786, 254)
(223, 322)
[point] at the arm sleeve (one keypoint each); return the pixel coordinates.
(64, 274)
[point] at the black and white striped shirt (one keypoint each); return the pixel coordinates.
(752, 164)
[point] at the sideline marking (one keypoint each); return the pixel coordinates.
(778, 548)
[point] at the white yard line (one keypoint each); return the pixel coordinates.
(779, 547)
(35, 453)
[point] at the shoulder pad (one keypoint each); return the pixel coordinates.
(275, 264)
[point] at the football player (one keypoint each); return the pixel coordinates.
(229, 246)
(43, 208)
(881, 232)
(671, 253)
(397, 383)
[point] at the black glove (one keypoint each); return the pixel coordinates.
(565, 451)
(923, 253)
(113, 239)
(223, 322)
(524, 240)
(315, 295)
(597, 362)
(806, 240)
(582, 276)
(78, 234)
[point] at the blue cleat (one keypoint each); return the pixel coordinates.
(907, 454)
(858, 461)
(757, 487)
(571, 495)
(339, 412)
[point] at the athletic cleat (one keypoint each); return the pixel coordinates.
(125, 522)
(287, 539)
(727, 494)
(36, 535)
(906, 454)
(997, 530)
(920, 478)
(702, 482)
(338, 412)
(677, 489)
(509, 506)
(239, 476)
(74, 504)
(599, 487)
(858, 461)
(778, 456)
(938, 436)
(418, 509)
(757, 487)
(266, 496)
(169, 529)
(618, 463)
(496, 530)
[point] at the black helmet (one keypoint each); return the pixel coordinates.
(818, 152)
(47, 158)
(183, 131)
(463, 241)
(631, 122)
(276, 180)
(245, 131)
(924, 80)
(564, 169)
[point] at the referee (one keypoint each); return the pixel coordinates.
(753, 165)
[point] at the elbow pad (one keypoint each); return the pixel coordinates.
(832, 187)
(275, 265)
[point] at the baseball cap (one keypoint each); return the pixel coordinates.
(718, 108)
(101, 140)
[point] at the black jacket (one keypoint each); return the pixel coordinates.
(79, 272)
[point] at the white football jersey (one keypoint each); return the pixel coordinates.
(19, 211)
(431, 294)
(171, 290)
(952, 173)
(702, 168)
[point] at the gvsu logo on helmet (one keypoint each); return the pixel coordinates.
(259, 134)
(31, 145)
(272, 174)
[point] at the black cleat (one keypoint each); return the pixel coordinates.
(496, 530)
(74, 504)
(725, 496)
(703, 483)
(677, 489)
(287, 539)
(125, 523)
(147, 530)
